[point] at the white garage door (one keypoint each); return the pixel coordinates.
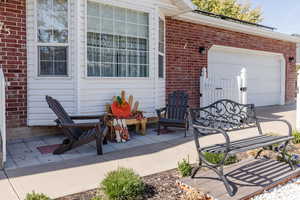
(264, 72)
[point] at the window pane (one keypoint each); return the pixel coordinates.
(143, 18)
(121, 70)
(93, 39)
(133, 70)
(60, 68)
(143, 44)
(93, 9)
(124, 49)
(120, 56)
(133, 57)
(107, 55)
(132, 29)
(46, 68)
(46, 54)
(60, 5)
(107, 11)
(93, 69)
(60, 54)
(107, 26)
(132, 43)
(53, 61)
(107, 70)
(60, 36)
(161, 36)
(160, 66)
(52, 21)
(144, 58)
(120, 14)
(144, 70)
(143, 31)
(132, 16)
(93, 24)
(107, 41)
(120, 28)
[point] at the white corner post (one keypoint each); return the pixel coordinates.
(242, 86)
(298, 103)
(203, 77)
(2, 121)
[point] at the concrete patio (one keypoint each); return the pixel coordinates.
(81, 169)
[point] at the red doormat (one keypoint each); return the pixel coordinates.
(48, 149)
(164, 131)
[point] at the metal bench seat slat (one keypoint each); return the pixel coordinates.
(244, 145)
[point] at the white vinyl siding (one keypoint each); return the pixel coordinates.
(79, 93)
(62, 88)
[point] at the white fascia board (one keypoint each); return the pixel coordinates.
(220, 23)
(185, 4)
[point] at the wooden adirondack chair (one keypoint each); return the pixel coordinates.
(77, 133)
(175, 114)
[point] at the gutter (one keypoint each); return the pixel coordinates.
(191, 16)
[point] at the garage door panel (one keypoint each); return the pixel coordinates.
(263, 72)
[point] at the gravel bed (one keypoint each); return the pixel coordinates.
(289, 191)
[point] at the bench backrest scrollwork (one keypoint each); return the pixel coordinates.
(226, 115)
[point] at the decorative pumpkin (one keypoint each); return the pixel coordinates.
(122, 110)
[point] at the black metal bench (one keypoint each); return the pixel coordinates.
(224, 116)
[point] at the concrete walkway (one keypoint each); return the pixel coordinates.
(76, 175)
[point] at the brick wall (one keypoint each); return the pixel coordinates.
(184, 61)
(13, 60)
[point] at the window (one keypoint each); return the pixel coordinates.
(117, 42)
(52, 36)
(161, 47)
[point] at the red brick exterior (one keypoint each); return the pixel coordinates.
(183, 59)
(184, 62)
(13, 60)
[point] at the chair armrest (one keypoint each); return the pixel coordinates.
(160, 111)
(79, 125)
(86, 117)
(279, 120)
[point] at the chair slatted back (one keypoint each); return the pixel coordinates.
(177, 105)
(63, 117)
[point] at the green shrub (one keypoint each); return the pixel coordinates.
(185, 168)
(96, 198)
(36, 196)
(296, 139)
(216, 158)
(122, 184)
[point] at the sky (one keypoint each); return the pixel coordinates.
(281, 14)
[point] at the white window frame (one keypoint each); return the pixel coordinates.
(161, 17)
(40, 44)
(137, 7)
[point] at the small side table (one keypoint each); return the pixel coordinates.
(140, 126)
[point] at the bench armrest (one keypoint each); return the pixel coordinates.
(224, 133)
(279, 120)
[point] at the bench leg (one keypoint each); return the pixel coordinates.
(283, 154)
(228, 187)
(196, 169)
(258, 153)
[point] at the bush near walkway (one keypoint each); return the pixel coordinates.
(122, 184)
(36, 196)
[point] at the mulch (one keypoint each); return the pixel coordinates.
(161, 186)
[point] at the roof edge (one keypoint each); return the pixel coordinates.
(228, 25)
